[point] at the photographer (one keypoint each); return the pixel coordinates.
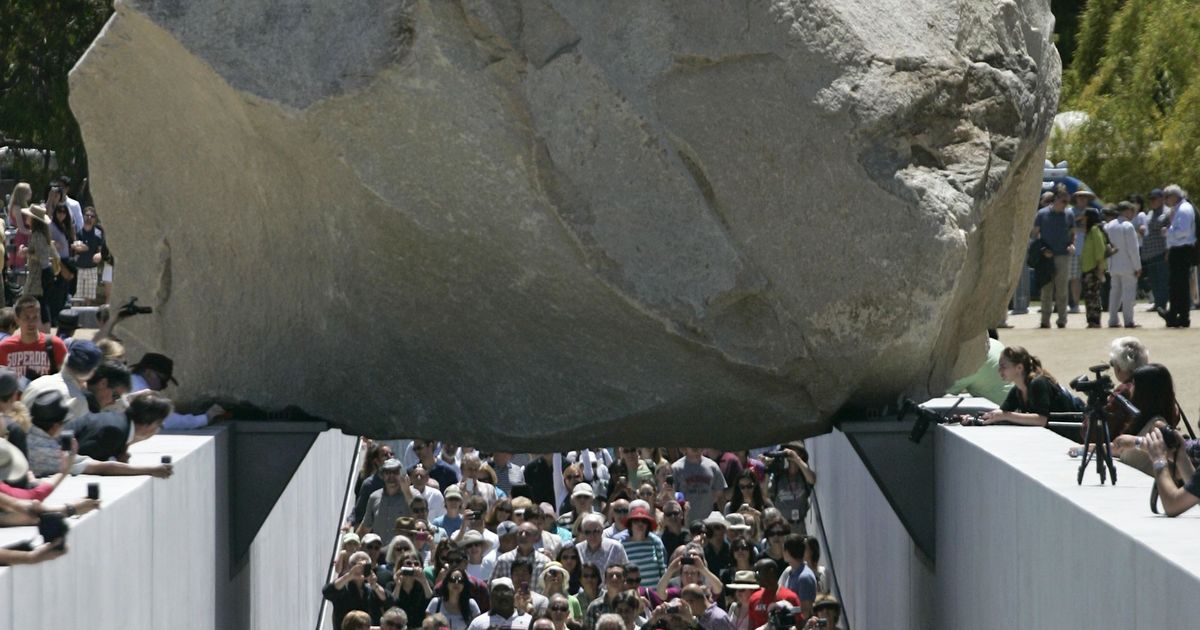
(357, 589)
(826, 613)
(1035, 395)
(792, 480)
(1175, 500)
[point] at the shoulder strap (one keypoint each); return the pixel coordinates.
(50, 354)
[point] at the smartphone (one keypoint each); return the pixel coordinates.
(524, 587)
(822, 623)
(166, 459)
(64, 440)
(94, 491)
(687, 560)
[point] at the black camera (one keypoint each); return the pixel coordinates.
(407, 571)
(777, 462)
(64, 440)
(1100, 386)
(1171, 438)
(687, 560)
(52, 526)
(782, 618)
(131, 308)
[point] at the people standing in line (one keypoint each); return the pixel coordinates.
(1091, 266)
(1154, 249)
(1181, 245)
(1055, 226)
(1124, 267)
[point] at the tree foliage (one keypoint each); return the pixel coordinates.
(40, 41)
(1135, 74)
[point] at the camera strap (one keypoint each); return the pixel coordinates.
(1183, 416)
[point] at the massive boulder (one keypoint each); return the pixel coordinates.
(541, 223)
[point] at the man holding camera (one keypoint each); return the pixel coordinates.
(154, 372)
(357, 589)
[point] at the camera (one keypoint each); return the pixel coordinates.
(783, 617)
(822, 623)
(777, 462)
(64, 440)
(687, 560)
(131, 308)
(1171, 438)
(93, 491)
(407, 571)
(53, 526)
(968, 420)
(1100, 386)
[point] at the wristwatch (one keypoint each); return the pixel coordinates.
(1159, 466)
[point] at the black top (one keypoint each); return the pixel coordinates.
(1043, 399)
(355, 597)
(103, 435)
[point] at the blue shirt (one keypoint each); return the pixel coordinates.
(448, 523)
(1055, 228)
(803, 583)
(1182, 232)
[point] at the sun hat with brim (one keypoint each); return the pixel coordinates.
(715, 519)
(744, 581)
(736, 522)
(13, 464)
(556, 566)
(641, 514)
(36, 211)
(1084, 192)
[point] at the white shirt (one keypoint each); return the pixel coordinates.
(483, 570)
(435, 501)
(518, 621)
(76, 213)
(1181, 231)
(1123, 235)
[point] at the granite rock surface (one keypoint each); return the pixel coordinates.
(543, 223)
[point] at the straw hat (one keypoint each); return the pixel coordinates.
(36, 211)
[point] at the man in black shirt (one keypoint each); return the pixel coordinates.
(357, 589)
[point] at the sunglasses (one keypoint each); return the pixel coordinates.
(620, 510)
(457, 580)
(671, 514)
(589, 532)
(559, 608)
(776, 533)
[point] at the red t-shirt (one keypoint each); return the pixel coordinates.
(761, 600)
(20, 357)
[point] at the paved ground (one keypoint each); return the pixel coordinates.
(1068, 352)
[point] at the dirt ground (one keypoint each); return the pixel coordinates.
(1068, 352)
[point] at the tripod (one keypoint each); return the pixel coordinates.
(1095, 422)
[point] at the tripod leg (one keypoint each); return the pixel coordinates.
(1098, 433)
(1112, 468)
(1087, 432)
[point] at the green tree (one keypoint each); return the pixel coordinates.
(1135, 74)
(40, 41)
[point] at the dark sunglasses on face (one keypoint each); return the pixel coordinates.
(558, 608)
(458, 580)
(621, 510)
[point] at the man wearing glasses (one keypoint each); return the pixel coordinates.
(618, 514)
(596, 549)
(388, 503)
(444, 474)
(528, 535)
(357, 589)
(672, 533)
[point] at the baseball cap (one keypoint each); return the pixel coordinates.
(582, 489)
(506, 528)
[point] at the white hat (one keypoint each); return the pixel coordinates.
(582, 489)
(736, 522)
(13, 464)
(714, 518)
(502, 581)
(471, 537)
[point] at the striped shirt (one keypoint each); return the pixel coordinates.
(649, 555)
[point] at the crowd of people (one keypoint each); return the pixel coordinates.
(1098, 256)
(444, 536)
(55, 249)
(1147, 434)
(68, 406)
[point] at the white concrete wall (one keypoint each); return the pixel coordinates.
(883, 580)
(1019, 543)
(289, 560)
(149, 559)
(143, 561)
